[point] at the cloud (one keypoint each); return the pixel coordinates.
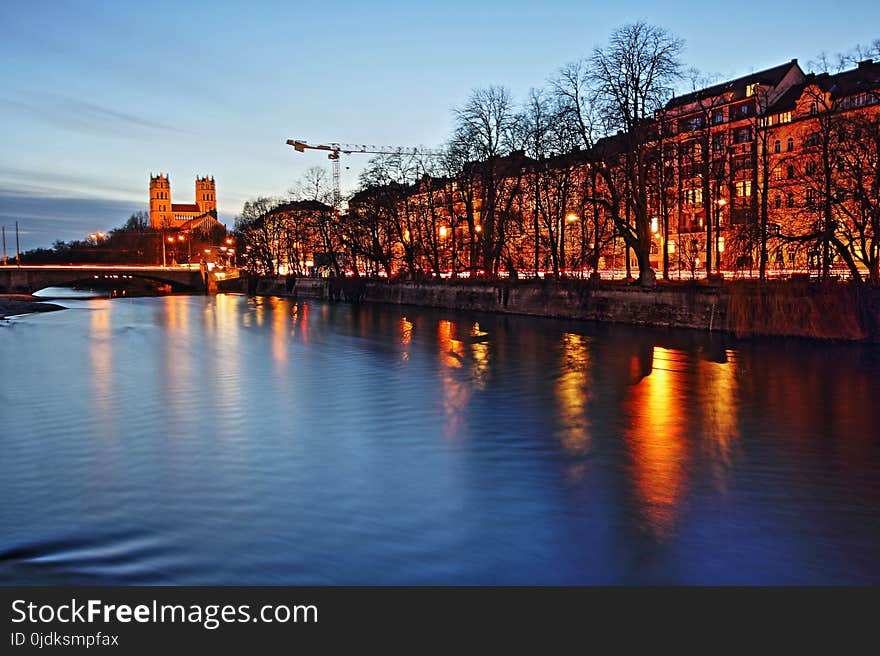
(15, 181)
(45, 219)
(87, 117)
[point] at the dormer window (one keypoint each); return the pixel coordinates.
(750, 90)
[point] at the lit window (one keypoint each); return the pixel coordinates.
(750, 90)
(743, 188)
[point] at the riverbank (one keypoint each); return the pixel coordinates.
(836, 311)
(14, 304)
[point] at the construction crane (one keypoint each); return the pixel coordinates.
(334, 150)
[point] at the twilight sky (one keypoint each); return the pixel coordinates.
(96, 95)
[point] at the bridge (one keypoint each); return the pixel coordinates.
(32, 278)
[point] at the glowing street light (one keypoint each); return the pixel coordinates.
(442, 232)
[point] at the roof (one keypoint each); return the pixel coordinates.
(184, 207)
(788, 100)
(866, 77)
(196, 222)
(770, 76)
(303, 206)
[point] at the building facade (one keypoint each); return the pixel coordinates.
(777, 171)
(165, 214)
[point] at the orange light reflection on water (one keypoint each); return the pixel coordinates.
(656, 440)
(717, 386)
(480, 355)
(101, 357)
(406, 328)
(456, 392)
(571, 394)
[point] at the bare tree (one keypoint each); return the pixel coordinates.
(576, 107)
(858, 189)
(263, 235)
(314, 184)
(632, 77)
(486, 129)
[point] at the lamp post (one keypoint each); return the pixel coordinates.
(570, 219)
(442, 232)
(719, 241)
(189, 248)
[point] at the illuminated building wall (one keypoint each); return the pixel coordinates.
(166, 214)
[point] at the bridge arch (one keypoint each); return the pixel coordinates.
(29, 279)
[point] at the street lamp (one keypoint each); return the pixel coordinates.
(719, 242)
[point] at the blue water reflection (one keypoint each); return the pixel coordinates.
(200, 440)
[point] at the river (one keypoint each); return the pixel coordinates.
(234, 440)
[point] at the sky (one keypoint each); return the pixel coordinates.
(97, 95)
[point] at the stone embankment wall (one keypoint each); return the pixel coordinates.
(785, 309)
(701, 308)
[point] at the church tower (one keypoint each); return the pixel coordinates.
(161, 214)
(206, 195)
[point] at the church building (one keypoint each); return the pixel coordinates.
(200, 215)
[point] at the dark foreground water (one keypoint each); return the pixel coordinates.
(196, 440)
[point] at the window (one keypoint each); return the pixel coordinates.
(791, 200)
(741, 162)
(811, 197)
(777, 202)
(718, 116)
(790, 172)
(743, 188)
(718, 142)
(790, 145)
(693, 196)
(785, 117)
(777, 146)
(811, 168)
(814, 107)
(813, 139)
(777, 174)
(742, 135)
(750, 90)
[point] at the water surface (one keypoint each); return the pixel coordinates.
(227, 440)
